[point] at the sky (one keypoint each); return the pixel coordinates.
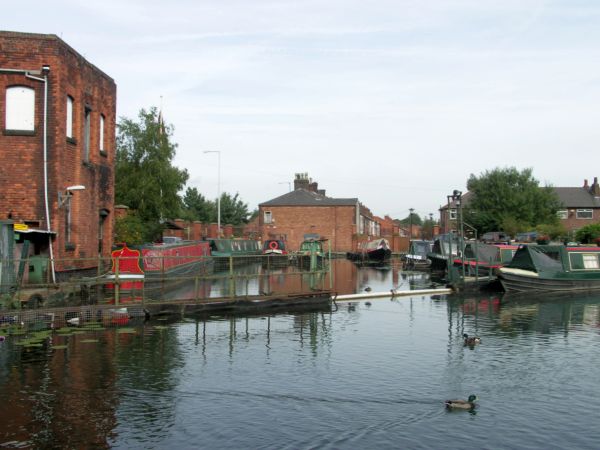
(393, 102)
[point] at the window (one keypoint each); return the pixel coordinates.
(585, 214)
(452, 214)
(562, 214)
(101, 137)
(268, 217)
(69, 117)
(20, 108)
(86, 134)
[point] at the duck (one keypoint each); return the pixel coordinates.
(367, 303)
(462, 404)
(368, 289)
(471, 340)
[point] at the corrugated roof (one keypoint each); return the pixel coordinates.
(302, 197)
(576, 197)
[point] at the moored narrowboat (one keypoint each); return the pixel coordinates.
(311, 255)
(482, 259)
(275, 253)
(377, 251)
(552, 268)
(146, 268)
(416, 258)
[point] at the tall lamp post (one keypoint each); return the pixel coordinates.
(410, 233)
(218, 152)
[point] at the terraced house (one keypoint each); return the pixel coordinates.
(57, 142)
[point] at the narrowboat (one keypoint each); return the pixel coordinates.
(416, 258)
(482, 259)
(274, 253)
(311, 255)
(157, 266)
(377, 251)
(240, 251)
(552, 268)
(445, 246)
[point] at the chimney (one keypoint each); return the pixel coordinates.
(585, 184)
(301, 181)
(313, 186)
(595, 188)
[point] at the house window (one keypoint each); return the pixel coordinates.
(69, 117)
(268, 217)
(86, 134)
(562, 214)
(101, 134)
(452, 214)
(20, 108)
(585, 214)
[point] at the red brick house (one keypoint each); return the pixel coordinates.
(57, 142)
(308, 212)
(581, 205)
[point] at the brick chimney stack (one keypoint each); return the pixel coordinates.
(585, 184)
(301, 181)
(595, 188)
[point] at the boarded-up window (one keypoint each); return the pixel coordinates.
(20, 108)
(69, 117)
(101, 138)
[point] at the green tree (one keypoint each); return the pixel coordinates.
(416, 219)
(197, 207)
(233, 209)
(145, 179)
(130, 230)
(507, 197)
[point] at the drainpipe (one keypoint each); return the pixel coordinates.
(29, 74)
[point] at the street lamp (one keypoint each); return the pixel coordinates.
(410, 233)
(218, 152)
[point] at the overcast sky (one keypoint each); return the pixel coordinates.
(393, 102)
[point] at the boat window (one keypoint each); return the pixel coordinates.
(584, 261)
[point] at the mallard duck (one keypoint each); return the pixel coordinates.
(368, 289)
(462, 404)
(471, 340)
(367, 303)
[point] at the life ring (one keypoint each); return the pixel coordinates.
(273, 245)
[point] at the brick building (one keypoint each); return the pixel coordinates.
(580, 205)
(57, 116)
(308, 212)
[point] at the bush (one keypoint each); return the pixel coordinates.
(551, 231)
(590, 234)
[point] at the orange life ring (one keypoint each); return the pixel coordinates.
(273, 245)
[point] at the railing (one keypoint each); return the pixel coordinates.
(86, 281)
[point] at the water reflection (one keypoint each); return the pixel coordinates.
(384, 367)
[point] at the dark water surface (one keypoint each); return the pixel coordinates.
(359, 376)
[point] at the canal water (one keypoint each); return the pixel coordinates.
(367, 374)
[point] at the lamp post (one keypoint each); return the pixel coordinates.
(218, 152)
(410, 224)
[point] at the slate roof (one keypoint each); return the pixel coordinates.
(577, 197)
(302, 197)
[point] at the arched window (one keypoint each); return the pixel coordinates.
(20, 108)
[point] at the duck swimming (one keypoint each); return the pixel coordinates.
(462, 404)
(471, 341)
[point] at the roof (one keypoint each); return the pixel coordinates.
(577, 197)
(302, 197)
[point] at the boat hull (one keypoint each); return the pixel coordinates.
(378, 256)
(516, 280)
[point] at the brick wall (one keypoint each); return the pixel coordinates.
(335, 223)
(22, 171)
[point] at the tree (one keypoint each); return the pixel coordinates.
(416, 219)
(146, 180)
(233, 209)
(507, 197)
(196, 207)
